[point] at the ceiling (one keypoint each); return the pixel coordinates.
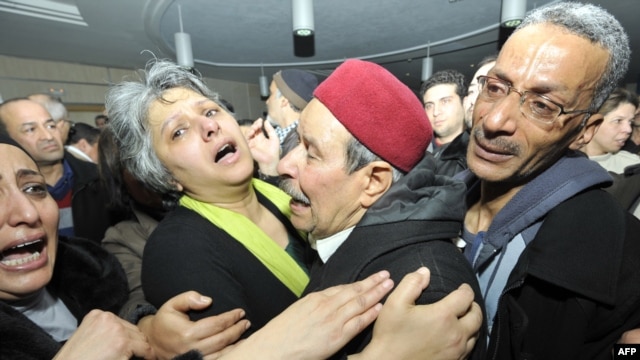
(238, 40)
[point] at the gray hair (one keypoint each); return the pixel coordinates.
(53, 104)
(596, 25)
(358, 156)
(293, 107)
(128, 104)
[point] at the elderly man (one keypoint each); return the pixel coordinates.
(365, 192)
(556, 257)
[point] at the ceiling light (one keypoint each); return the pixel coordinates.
(427, 68)
(184, 53)
(264, 84)
(303, 28)
(512, 12)
(427, 65)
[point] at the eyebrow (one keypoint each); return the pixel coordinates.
(28, 172)
(175, 116)
(30, 123)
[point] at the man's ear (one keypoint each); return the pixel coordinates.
(378, 178)
(587, 132)
(284, 102)
(83, 145)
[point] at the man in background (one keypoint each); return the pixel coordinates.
(83, 143)
(472, 94)
(442, 96)
(73, 183)
(289, 93)
(101, 121)
(58, 113)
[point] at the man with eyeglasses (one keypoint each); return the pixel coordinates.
(556, 257)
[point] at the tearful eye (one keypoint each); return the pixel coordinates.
(177, 133)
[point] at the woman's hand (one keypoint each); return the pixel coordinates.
(171, 332)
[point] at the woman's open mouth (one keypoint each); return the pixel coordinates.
(23, 253)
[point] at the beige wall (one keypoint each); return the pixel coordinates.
(83, 87)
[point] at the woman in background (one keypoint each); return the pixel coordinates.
(604, 148)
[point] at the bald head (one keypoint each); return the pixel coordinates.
(30, 125)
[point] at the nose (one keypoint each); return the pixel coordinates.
(46, 133)
(21, 210)
(287, 166)
(626, 127)
(436, 109)
(209, 128)
(499, 117)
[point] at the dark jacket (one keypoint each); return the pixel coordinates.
(574, 288)
(85, 277)
(188, 252)
(626, 187)
(584, 264)
(412, 225)
(88, 202)
(452, 157)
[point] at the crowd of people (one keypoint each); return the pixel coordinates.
(501, 226)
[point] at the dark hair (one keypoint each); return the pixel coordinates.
(245, 122)
(101, 116)
(110, 170)
(618, 97)
(112, 177)
(83, 131)
(228, 106)
(452, 77)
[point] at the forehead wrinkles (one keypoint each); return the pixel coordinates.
(551, 59)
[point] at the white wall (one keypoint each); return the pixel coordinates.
(83, 87)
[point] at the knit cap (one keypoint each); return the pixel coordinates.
(296, 86)
(378, 110)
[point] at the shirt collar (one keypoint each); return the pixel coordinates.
(327, 246)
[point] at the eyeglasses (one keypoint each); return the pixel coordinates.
(532, 105)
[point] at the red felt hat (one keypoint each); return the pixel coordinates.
(378, 110)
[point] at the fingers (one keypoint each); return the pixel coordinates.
(218, 343)
(269, 129)
(410, 288)
(362, 302)
(254, 129)
(214, 325)
(186, 301)
(459, 300)
(472, 319)
(349, 290)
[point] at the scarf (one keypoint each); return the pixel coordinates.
(276, 259)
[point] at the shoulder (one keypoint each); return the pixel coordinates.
(80, 167)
